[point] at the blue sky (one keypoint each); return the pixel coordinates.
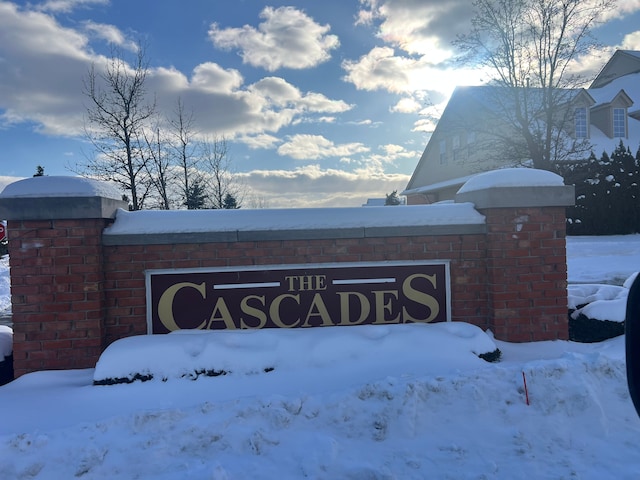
(324, 103)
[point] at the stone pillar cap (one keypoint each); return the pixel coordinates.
(60, 186)
(58, 198)
(516, 187)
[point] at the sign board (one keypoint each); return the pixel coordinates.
(3, 231)
(290, 296)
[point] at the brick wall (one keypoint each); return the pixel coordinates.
(125, 267)
(527, 273)
(57, 293)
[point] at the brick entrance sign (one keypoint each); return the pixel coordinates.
(82, 266)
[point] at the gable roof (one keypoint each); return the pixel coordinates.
(617, 85)
(489, 99)
(621, 63)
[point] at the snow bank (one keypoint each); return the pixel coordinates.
(6, 342)
(62, 186)
(609, 259)
(185, 354)
(600, 302)
(512, 177)
(153, 222)
(5, 287)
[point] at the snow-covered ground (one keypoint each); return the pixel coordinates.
(5, 299)
(405, 402)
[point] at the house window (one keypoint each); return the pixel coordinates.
(471, 137)
(619, 123)
(471, 140)
(580, 118)
(456, 147)
(443, 152)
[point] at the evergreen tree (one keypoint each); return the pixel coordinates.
(392, 198)
(196, 197)
(607, 194)
(230, 202)
(39, 171)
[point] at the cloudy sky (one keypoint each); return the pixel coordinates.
(324, 103)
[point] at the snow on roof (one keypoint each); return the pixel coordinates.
(174, 221)
(439, 185)
(60, 186)
(628, 83)
(512, 177)
(601, 142)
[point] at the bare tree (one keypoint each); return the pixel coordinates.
(186, 157)
(118, 111)
(529, 47)
(157, 163)
(220, 179)
(257, 201)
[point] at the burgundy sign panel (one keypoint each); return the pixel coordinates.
(297, 296)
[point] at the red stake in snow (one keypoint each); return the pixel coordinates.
(526, 391)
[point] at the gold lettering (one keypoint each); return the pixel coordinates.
(254, 312)
(320, 311)
(225, 315)
(345, 313)
(274, 310)
(290, 280)
(306, 282)
(420, 297)
(165, 304)
(383, 306)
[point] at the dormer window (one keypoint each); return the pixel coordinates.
(580, 119)
(619, 123)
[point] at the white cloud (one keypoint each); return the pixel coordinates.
(427, 125)
(287, 38)
(32, 42)
(111, 34)
(278, 90)
(622, 8)
(396, 151)
(66, 6)
(312, 186)
(421, 27)
(281, 94)
(382, 69)
(379, 69)
(317, 102)
(406, 105)
(366, 121)
(631, 41)
(213, 78)
(313, 147)
(262, 141)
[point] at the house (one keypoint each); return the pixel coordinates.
(463, 143)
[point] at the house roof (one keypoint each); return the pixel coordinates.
(617, 83)
(434, 187)
(626, 86)
(621, 63)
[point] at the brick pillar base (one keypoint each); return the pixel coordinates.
(526, 254)
(527, 273)
(56, 259)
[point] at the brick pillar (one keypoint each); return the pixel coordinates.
(55, 229)
(526, 256)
